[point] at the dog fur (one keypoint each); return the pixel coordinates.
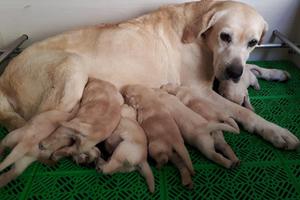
(165, 142)
(98, 115)
(24, 143)
(128, 146)
(179, 44)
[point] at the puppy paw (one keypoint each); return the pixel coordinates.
(235, 163)
(99, 164)
(81, 158)
(282, 138)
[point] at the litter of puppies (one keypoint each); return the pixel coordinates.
(133, 124)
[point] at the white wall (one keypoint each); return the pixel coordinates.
(40, 19)
(283, 15)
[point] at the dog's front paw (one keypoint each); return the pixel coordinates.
(283, 138)
(81, 158)
(99, 164)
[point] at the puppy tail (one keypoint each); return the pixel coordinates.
(16, 154)
(146, 171)
(184, 154)
(212, 127)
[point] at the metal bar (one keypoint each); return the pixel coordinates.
(266, 45)
(12, 47)
(278, 46)
(16, 51)
(284, 39)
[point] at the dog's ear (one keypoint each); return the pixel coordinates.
(203, 23)
(266, 27)
(80, 127)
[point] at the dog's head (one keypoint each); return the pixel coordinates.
(231, 30)
(133, 94)
(57, 140)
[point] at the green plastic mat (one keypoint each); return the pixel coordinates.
(265, 172)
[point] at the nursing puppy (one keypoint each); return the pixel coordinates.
(98, 115)
(238, 92)
(128, 146)
(164, 139)
(205, 107)
(201, 133)
(24, 143)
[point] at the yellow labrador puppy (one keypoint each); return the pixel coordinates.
(196, 130)
(128, 146)
(24, 143)
(164, 139)
(98, 115)
(204, 107)
(237, 91)
(187, 44)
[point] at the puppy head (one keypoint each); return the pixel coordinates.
(231, 31)
(232, 91)
(57, 140)
(133, 94)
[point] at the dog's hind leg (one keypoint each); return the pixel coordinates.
(11, 140)
(146, 172)
(222, 147)
(112, 166)
(8, 117)
(16, 170)
(206, 146)
(269, 74)
(185, 174)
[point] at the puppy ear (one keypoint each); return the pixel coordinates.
(266, 27)
(203, 23)
(79, 127)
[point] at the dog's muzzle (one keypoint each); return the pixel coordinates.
(234, 72)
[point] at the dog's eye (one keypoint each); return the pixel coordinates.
(252, 43)
(41, 147)
(225, 37)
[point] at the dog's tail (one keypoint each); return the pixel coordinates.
(184, 154)
(213, 126)
(16, 154)
(146, 171)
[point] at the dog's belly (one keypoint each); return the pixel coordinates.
(121, 57)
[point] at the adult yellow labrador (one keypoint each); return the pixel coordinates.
(187, 44)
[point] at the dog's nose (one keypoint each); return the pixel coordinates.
(234, 72)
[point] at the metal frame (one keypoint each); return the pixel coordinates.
(273, 46)
(284, 39)
(12, 47)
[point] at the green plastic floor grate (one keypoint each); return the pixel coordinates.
(265, 172)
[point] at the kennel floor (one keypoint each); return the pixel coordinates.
(265, 172)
